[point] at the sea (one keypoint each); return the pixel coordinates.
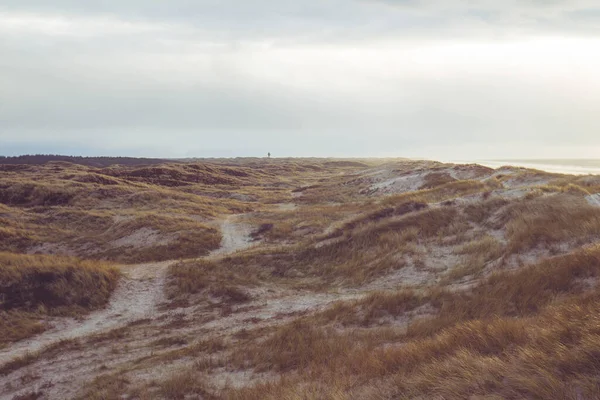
(562, 166)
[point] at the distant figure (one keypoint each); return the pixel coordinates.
(268, 155)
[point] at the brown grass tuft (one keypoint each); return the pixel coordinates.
(546, 220)
(207, 278)
(32, 286)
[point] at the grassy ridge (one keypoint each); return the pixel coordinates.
(478, 284)
(529, 334)
(494, 326)
(138, 213)
(33, 286)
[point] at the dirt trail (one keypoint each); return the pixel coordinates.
(138, 295)
(236, 236)
(135, 354)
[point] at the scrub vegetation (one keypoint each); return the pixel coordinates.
(34, 286)
(361, 279)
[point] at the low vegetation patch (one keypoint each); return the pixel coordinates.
(200, 279)
(480, 284)
(445, 192)
(32, 286)
(375, 309)
(30, 358)
(549, 220)
(139, 213)
(529, 334)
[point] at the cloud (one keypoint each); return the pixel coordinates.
(315, 20)
(18, 23)
(354, 77)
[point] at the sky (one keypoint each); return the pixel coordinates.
(431, 79)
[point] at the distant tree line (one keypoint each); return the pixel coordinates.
(39, 159)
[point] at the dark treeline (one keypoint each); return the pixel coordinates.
(38, 159)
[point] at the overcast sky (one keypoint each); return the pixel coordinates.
(184, 78)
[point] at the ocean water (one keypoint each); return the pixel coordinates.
(575, 167)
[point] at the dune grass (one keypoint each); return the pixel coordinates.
(200, 279)
(548, 220)
(374, 309)
(531, 334)
(483, 326)
(444, 192)
(502, 357)
(34, 286)
(357, 257)
(67, 209)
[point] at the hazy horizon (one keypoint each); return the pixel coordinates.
(581, 166)
(354, 78)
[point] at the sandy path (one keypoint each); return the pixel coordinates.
(236, 236)
(593, 199)
(65, 375)
(138, 295)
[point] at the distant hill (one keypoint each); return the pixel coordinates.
(39, 159)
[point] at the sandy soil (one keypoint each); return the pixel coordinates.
(593, 199)
(144, 237)
(138, 297)
(236, 236)
(286, 206)
(398, 184)
(136, 306)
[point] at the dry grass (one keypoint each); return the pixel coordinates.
(152, 237)
(201, 279)
(182, 384)
(140, 213)
(375, 245)
(445, 192)
(201, 348)
(303, 223)
(504, 358)
(109, 386)
(504, 294)
(18, 325)
(363, 254)
(477, 253)
(548, 220)
(512, 337)
(375, 309)
(29, 282)
(527, 332)
(378, 214)
(35, 286)
(487, 212)
(541, 357)
(515, 294)
(30, 358)
(487, 247)
(435, 179)
(296, 346)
